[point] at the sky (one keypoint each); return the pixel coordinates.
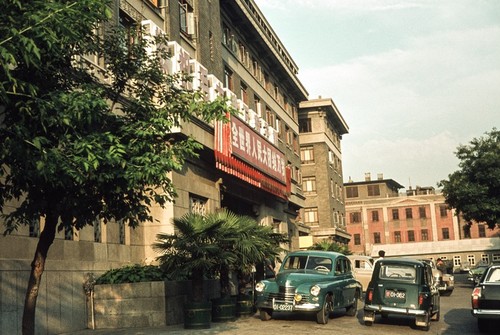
(413, 79)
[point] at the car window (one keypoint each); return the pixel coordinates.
(319, 263)
(304, 262)
(295, 262)
(396, 271)
(493, 276)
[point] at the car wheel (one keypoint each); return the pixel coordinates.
(436, 316)
(427, 322)
(266, 314)
(351, 310)
(324, 314)
(482, 325)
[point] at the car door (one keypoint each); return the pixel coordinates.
(433, 285)
(348, 287)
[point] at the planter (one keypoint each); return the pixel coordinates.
(245, 306)
(223, 309)
(197, 315)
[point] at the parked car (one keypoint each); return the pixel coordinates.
(445, 282)
(315, 282)
(362, 268)
(486, 298)
(402, 286)
(475, 273)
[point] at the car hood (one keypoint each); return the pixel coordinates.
(296, 278)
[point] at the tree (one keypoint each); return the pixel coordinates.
(74, 147)
(474, 190)
(331, 246)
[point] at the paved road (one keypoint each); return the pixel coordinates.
(456, 319)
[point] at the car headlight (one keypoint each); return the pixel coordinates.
(259, 287)
(315, 290)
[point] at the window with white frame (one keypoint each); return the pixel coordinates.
(485, 258)
(309, 184)
(311, 215)
(471, 259)
(197, 205)
(186, 17)
(495, 258)
(307, 154)
(457, 260)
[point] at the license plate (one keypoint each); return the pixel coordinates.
(282, 307)
(392, 294)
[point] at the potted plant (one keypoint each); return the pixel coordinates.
(192, 252)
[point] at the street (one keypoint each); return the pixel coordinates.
(456, 319)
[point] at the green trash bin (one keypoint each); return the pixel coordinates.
(197, 315)
(245, 306)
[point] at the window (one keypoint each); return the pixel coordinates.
(446, 233)
(397, 237)
(375, 216)
(425, 234)
(186, 17)
(485, 258)
(295, 143)
(309, 184)
(270, 117)
(197, 205)
(355, 217)
(244, 93)
(409, 213)
(228, 79)
(373, 190)
(411, 236)
(395, 214)
(305, 126)
(68, 233)
(421, 212)
(443, 211)
(311, 215)
(466, 229)
(376, 238)
(97, 230)
(34, 228)
(457, 260)
(351, 191)
(471, 259)
(357, 239)
(482, 230)
(495, 258)
(307, 155)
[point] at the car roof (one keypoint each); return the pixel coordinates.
(399, 260)
(318, 253)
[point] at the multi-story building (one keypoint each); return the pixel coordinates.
(415, 223)
(321, 128)
(250, 165)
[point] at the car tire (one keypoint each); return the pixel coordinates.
(368, 323)
(436, 316)
(266, 314)
(482, 325)
(427, 326)
(351, 310)
(323, 314)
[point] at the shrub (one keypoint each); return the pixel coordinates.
(132, 274)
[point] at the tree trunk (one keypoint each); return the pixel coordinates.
(37, 267)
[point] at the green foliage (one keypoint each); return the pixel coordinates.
(77, 147)
(209, 246)
(131, 274)
(326, 245)
(474, 190)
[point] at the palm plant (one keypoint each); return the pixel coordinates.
(192, 251)
(331, 246)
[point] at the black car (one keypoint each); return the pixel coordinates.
(486, 298)
(402, 286)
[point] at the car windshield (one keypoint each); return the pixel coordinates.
(397, 271)
(308, 262)
(493, 276)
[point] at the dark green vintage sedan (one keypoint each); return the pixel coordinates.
(316, 282)
(402, 286)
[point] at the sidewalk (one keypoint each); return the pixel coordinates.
(240, 326)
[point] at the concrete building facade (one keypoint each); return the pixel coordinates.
(230, 50)
(321, 128)
(417, 223)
